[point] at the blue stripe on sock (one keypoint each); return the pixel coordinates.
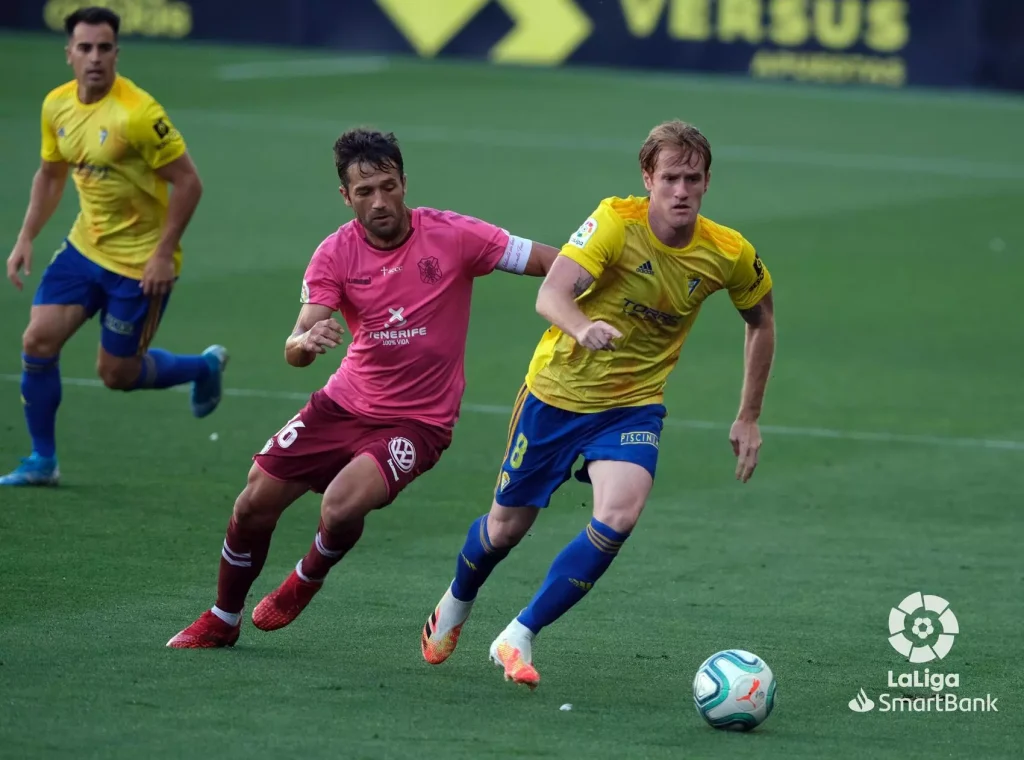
(37, 364)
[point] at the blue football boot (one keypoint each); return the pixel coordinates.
(34, 470)
(206, 393)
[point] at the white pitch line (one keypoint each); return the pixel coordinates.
(770, 155)
(517, 139)
(784, 430)
(303, 67)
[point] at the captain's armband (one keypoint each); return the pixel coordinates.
(516, 256)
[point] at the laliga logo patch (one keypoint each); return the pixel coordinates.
(304, 294)
(583, 234)
(403, 453)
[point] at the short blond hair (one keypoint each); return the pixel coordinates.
(674, 134)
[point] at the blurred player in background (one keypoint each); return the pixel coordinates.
(122, 256)
(402, 279)
(621, 297)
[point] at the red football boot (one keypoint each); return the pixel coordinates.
(207, 632)
(282, 606)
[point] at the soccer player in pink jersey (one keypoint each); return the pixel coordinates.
(402, 279)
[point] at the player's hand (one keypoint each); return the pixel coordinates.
(158, 276)
(598, 336)
(20, 258)
(745, 437)
(323, 335)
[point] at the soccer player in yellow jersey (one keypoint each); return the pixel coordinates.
(621, 297)
(122, 256)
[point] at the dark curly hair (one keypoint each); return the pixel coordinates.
(94, 16)
(367, 146)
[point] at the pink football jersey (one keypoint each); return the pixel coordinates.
(408, 312)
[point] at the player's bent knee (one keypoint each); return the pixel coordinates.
(49, 328)
(507, 526)
(118, 374)
(356, 491)
(620, 518)
(620, 492)
(341, 508)
(251, 512)
(38, 343)
(263, 499)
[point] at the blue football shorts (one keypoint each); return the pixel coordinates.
(129, 317)
(544, 442)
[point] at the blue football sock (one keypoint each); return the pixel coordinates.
(475, 563)
(573, 573)
(162, 369)
(40, 393)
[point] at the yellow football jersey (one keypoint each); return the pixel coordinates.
(648, 291)
(114, 147)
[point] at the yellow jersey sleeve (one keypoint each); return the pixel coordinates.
(50, 150)
(750, 280)
(153, 135)
(598, 243)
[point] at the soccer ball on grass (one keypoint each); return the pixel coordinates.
(734, 690)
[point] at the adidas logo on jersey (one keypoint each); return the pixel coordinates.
(645, 268)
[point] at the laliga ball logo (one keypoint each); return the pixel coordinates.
(913, 625)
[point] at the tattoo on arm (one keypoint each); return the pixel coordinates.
(763, 310)
(584, 282)
(753, 316)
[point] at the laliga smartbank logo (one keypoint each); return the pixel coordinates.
(932, 632)
(922, 628)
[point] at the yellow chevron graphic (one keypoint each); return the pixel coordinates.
(429, 25)
(546, 32)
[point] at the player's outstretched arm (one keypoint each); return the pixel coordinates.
(315, 332)
(47, 189)
(186, 189)
(758, 353)
(521, 256)
(556, 302)
(542, 257)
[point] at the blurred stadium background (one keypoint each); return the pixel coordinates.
(871, 150)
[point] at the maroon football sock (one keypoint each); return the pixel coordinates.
(241, 560)
(329, 547)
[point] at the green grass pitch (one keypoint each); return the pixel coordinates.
(892, 463)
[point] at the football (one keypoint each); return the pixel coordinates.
(734, 690)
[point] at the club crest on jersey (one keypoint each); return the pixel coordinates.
(691, 285)
(584, 233)
(430, 270)
(103, 135)
(60, 133)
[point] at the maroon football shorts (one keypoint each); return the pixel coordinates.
(317, 443)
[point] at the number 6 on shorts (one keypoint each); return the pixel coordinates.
(287, 435)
